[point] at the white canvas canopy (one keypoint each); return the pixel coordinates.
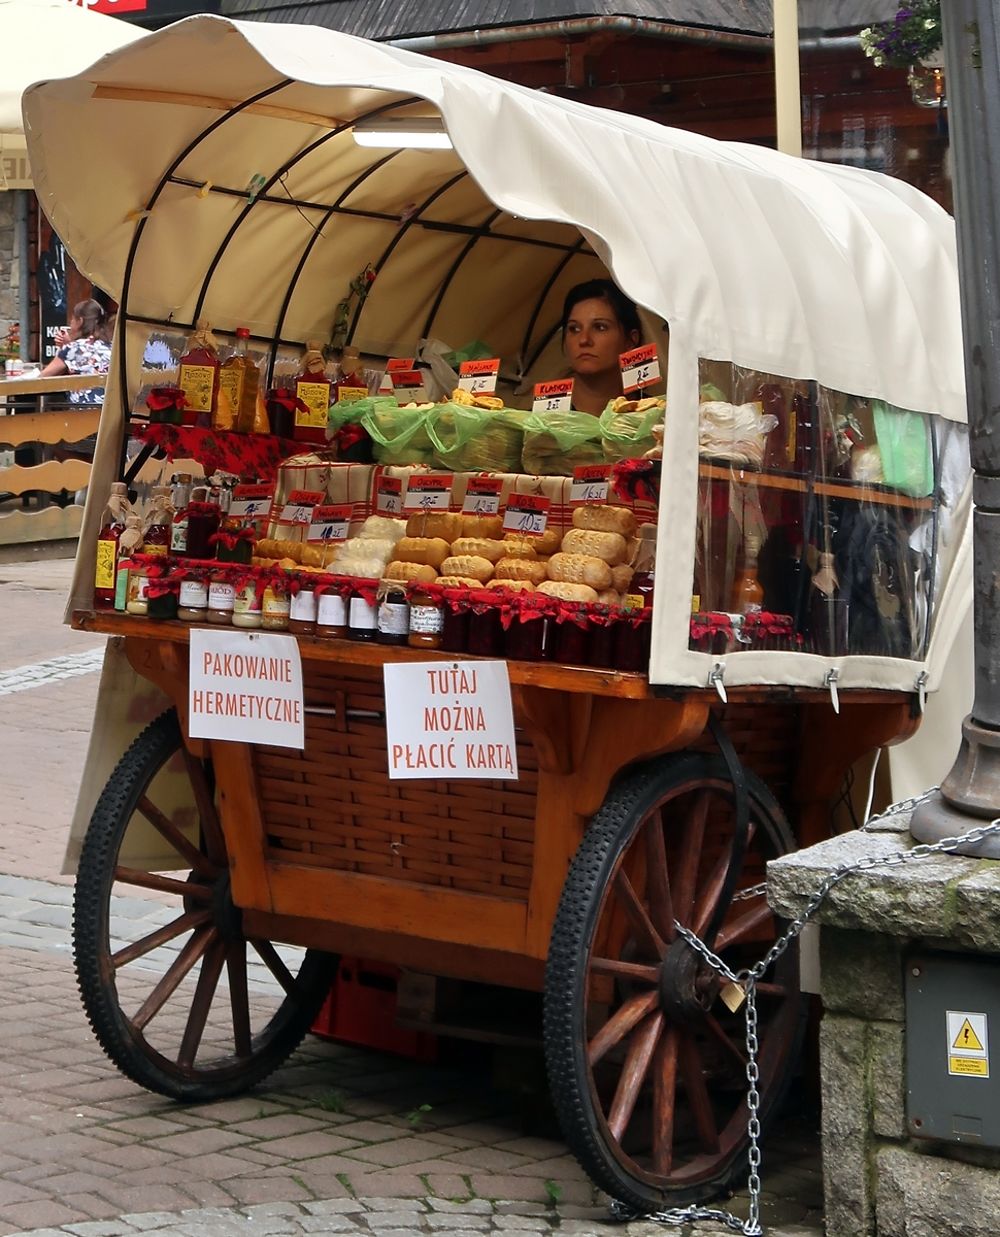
(45, 39)
(210, 170)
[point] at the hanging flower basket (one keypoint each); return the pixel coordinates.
(912, 37)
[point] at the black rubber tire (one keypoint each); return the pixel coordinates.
(126, 1044)
(565, 1007)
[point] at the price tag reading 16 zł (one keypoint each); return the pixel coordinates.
(429, 491)
(526, 514)
(590, 484)
(482, 496)
(640, 368)
(330, 523)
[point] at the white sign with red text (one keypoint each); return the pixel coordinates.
(449, 719)
(246, 687)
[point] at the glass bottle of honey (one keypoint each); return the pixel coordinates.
(239, 383)
(112, 527)
(313, 392)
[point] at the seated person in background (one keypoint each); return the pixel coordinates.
(87, 352)
(599, 323)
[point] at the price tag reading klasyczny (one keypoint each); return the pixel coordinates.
(527, 514)
(479, 377)
(330, 523)
(299, 507)
(389, 496)
(429, 491)
(252, 503)
(590, 484)
(640, 368)
(553, 396)
(482, 496)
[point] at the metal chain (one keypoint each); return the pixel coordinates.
(747, 979)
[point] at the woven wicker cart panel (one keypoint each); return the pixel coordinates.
(333, 806)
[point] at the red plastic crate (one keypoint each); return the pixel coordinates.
(360, 1009)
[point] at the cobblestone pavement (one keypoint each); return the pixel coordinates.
(338, 1140)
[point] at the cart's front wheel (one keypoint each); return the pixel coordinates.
(169, 981)
(647, 1064)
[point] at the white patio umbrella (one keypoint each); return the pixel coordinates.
(46, 39)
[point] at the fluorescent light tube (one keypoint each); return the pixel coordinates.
(420, 133)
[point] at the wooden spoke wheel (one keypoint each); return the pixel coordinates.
(647, 1064)
(178, 997)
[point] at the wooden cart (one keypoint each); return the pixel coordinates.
(567, 881)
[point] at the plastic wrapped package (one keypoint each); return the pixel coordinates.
(469, 439)
(555, 443)
(734, 432)
(627, 427)
(399, 435)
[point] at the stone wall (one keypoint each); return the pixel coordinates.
(9, 264)
(877, 1180)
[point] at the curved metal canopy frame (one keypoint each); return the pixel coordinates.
(326, 211)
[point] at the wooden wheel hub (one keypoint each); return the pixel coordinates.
(688, 986)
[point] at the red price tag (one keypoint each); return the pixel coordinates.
(389, 496)
(553, 396)
(399, 364)
(252, 503)
(429, 491)
(482, 496)
(299, 507)
(640, 368)
(590, 484)
(408, 386)
(330, 523)
(526, 514)
(479, 377)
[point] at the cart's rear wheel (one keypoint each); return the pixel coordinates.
(166, 984)
(647, 1065)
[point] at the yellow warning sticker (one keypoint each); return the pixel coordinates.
(968, 1045)
(967, 1037)
(977, 1067)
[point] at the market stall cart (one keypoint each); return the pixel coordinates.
(813, 456)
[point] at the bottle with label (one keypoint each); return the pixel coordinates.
(130, 582)
(352, 383)
(632, 634)
(112, 527)
(302, 616)
(239, 384)
(192, 602)
(331, 616)
(198, 376)
(276, 607)
(180, 496)
(362, 618)
(426, 621)
(805, 434)
(393, 613)
(313, 391)
(221, 601)
(247, 605)
(747, 596)
(158, 531)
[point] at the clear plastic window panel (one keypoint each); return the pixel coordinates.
(818, 519)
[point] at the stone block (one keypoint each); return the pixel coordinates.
(861, 974)
(844, 1066)
(927, 1196)
(887, 1058)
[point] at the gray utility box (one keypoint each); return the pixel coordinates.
(953, 1048)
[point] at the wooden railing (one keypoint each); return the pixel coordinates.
(39, 425)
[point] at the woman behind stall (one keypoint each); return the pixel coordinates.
(599, 323)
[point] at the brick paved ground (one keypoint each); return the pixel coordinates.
(339, 1140)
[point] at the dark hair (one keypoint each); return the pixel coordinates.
(92, 315)
(603, 290)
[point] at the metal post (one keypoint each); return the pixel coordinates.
(971, 791)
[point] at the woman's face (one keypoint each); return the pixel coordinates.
(594, 337)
